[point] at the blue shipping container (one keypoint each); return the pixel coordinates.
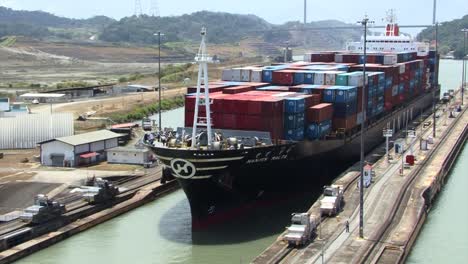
(298, 78)
(294, 105)
(344, 109)
(381, 89)
(329, 95)
(316, 131)
(308, 78)
(267, 76)
(295, 134)
(345, 94)
(293, 121)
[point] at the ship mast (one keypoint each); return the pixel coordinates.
(202, 59)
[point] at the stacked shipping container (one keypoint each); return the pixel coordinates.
(310, 99)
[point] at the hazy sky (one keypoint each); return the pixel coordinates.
(408, 11)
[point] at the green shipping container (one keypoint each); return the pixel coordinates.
(341, 79)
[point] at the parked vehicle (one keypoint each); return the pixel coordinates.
(332, 201)
(302, 230)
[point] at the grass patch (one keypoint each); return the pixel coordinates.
(7, 41)
(144, 111)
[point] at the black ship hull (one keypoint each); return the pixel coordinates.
(222, 184)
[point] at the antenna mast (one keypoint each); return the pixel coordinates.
(202, 59)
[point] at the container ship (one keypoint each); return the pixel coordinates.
(243, 133)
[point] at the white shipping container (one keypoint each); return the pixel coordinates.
(356, 80)
(330, 78)
(256, 76)
(308, 57)
(319, 78)
(402, 69)
(227, 75)
(390, 59)
(339, 58)
(236, 74)
(246, 75)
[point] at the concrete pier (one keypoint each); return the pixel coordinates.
(395, 206)
(144, 193)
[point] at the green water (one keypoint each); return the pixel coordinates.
(160, 232)
(444, 236)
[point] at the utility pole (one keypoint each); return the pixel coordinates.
(435, 81)
(363, 22)
(305, 12)
(465, 32)
(159, 34)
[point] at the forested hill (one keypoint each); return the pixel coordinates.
(222, 28)
(44, 19)
(450, 36)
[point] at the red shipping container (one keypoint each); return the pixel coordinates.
(274, 125)
(213, 88)
(345, 123)
(229, 121)
(319, 113)
(284, 77)
(237, 89)
(272, 107)
(217, 120)
(248, 122)
(254, 106)
(188, 119)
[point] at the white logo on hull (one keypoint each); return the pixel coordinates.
(183, 169)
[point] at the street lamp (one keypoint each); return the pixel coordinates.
(159, 34)
(363, 22)
(435, 81)
(465, 31)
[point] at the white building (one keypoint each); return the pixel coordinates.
(127, 155)
(78, 150)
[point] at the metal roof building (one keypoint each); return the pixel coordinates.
(78, 150)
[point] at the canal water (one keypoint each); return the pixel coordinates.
(160, 232)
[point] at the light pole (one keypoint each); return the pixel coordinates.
(363, 22)
(159, 34)
(465, 32)
(435, 81)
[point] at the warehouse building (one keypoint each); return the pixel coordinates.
(129, 155)
(78, 150)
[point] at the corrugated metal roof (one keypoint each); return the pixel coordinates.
(41, 95)
(89, 137)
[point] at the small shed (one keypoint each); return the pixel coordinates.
(78, 150)
(129, 155)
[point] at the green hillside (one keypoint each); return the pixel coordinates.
(450, 36)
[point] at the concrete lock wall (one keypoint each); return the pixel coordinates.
(127, 157)
(23, 132)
